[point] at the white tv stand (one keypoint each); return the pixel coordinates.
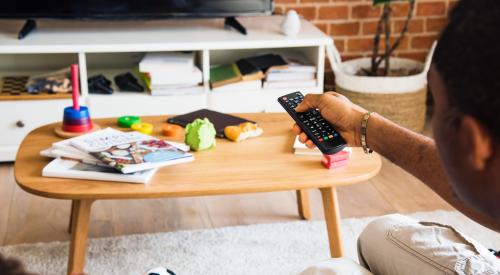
(115, 47)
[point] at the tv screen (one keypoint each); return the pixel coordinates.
(131, 9)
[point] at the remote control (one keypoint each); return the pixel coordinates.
(317, 129)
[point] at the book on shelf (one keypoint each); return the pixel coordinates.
(178, 90)
(225, 74)
(290, 84)
(297, 73)
(292, 68)
(265, 61)
(131, 151)
(302, 76)
(74, 169)
(159, 79)
(248, 71)
(167, 62)
(252, 85)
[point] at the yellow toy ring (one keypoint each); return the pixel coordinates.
(143, 127)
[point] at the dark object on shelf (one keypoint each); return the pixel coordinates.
(29, 26)
(128, 83)
(246, 67)
(265, 61)
(99, 84)
(14, 85)
(231, 22)
(220, 120)
(58, 83)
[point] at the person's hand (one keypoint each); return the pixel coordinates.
(344, 115)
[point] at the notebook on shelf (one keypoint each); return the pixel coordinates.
(224, 74)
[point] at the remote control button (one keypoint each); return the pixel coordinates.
(321, 140)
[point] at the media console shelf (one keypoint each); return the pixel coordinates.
(115, 47)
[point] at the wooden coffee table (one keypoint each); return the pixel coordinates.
(263, 164)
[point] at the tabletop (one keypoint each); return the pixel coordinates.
(261, 164)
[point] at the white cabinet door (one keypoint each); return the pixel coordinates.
(18, 118)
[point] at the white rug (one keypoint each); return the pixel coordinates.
(280, 248)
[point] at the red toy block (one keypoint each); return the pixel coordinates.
(342, 155)
(337, 164)
(337, 160)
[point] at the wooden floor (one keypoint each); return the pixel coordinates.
(25, 218)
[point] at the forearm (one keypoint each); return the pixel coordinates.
(413, 152)
(418, 155)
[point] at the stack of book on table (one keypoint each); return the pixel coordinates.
(297, 73)
(171, 73)
(112, 155)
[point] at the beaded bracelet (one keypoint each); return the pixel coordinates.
(364, 126)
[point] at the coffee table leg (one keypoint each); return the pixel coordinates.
(332, 218)
(303, 203)
(71, 215)
(79, 232)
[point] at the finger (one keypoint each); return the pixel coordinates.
(303, 137)
(310, 101)
(296, 129)
(333, 93)
(310, 144)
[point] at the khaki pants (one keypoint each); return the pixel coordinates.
(398, 245)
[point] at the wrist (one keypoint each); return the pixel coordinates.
(364, 133)
(356, 125)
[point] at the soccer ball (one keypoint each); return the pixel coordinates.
(160, 271)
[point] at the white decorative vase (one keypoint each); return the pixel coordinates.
(291, 24)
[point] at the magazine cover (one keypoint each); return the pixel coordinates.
(64, 168)
(141, 155)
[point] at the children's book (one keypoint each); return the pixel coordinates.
(131, 151)
(65, 168)
(60, 153)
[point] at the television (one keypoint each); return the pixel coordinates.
(131, 9)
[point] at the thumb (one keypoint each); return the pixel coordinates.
(310, 102)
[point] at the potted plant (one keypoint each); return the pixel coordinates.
(394, 87)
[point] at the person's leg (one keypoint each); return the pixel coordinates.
(336, 266)
(398, 245)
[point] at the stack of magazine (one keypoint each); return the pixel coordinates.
(112, 155)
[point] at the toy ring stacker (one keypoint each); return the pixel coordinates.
(172, 130)
(143, 127)
(127, 121)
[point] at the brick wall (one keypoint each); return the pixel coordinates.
(352, 23)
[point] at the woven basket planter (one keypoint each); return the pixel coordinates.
(402, 99)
